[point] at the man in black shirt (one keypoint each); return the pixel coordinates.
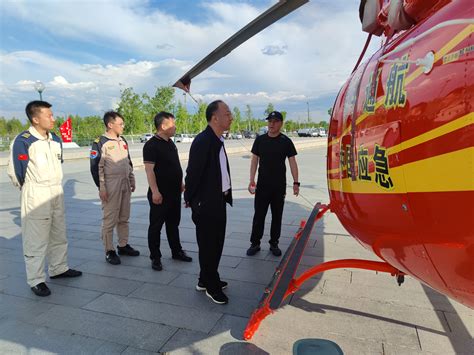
(208, 189)
(165, 176)
(270, 151)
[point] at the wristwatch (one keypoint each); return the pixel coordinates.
(297, 183)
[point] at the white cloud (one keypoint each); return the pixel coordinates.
(275, 50)
(61, 83)
(300, 59)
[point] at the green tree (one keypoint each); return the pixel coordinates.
(249, 119)
(270, 108)
(162, 100)
(199, 121)
(131, 107)
(14, 126)
(237, 122)
(182, 119)
(3, 127)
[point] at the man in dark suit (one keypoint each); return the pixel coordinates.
(208, 189)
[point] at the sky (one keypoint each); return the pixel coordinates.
(87, 51)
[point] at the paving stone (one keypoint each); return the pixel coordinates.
(388, 312)
(187, 297)
(59, 294)
(447, 343)
(99, 283)
(121, 330)
(134, 351)
(461, 322)
(393, 294)
(22, 338)
(362, 311)
(225, 338)
(18, 308)
(238, 289)
(245, 275)
(181, 316)
(281, 330)
(12, 268)
(129, 272)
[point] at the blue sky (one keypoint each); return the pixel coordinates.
(86, 51)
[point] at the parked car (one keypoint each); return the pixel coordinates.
(314, 132)
(146, 137)
(184, 138)
(304, 132)
(236, 135)
(249, 134)
(262, 131)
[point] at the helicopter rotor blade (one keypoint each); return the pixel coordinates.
(273, 14)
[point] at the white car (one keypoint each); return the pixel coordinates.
(184, 138)
(146, 137)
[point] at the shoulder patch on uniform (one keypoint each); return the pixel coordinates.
(97, 140)
(93, 154)
(26, 135)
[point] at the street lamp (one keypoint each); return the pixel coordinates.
(39, 86)
(307, 104)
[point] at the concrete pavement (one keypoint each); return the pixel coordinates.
(131, 309)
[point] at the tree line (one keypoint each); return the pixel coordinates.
(139, 110)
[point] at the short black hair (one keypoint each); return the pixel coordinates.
(211, 108)
(160, 117)
(111, 116)
(34, 107)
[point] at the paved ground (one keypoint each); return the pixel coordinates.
(131, 309)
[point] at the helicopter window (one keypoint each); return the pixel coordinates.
(351, 94)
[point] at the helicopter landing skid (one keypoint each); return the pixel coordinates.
(283, 282)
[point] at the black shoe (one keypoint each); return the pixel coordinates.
(156, 264)
(112, 258)
(275, 250)
(127, 250)
(218, 297)
(200, 286)
(41, 290)
(254, 249)
(68, 273)
(181, 255)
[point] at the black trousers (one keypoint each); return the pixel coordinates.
(168, 212)
(210, 224)
(275, 198)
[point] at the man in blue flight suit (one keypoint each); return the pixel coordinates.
(35, 167)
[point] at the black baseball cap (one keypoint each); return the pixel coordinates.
(275, 115)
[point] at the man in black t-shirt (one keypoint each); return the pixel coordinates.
(165, 178)
(269, 152)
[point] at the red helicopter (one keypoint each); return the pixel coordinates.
(400, 159)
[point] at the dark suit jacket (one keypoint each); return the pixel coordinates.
(203, 176)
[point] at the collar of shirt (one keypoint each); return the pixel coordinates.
(36, 134)
(224, 172)
(107, 135)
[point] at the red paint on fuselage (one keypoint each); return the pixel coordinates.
(429, 235)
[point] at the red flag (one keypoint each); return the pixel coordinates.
(66, 131)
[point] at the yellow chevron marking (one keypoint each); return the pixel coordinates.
(446, 172)
(468, 30)
(449, 127)
(434, 133)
